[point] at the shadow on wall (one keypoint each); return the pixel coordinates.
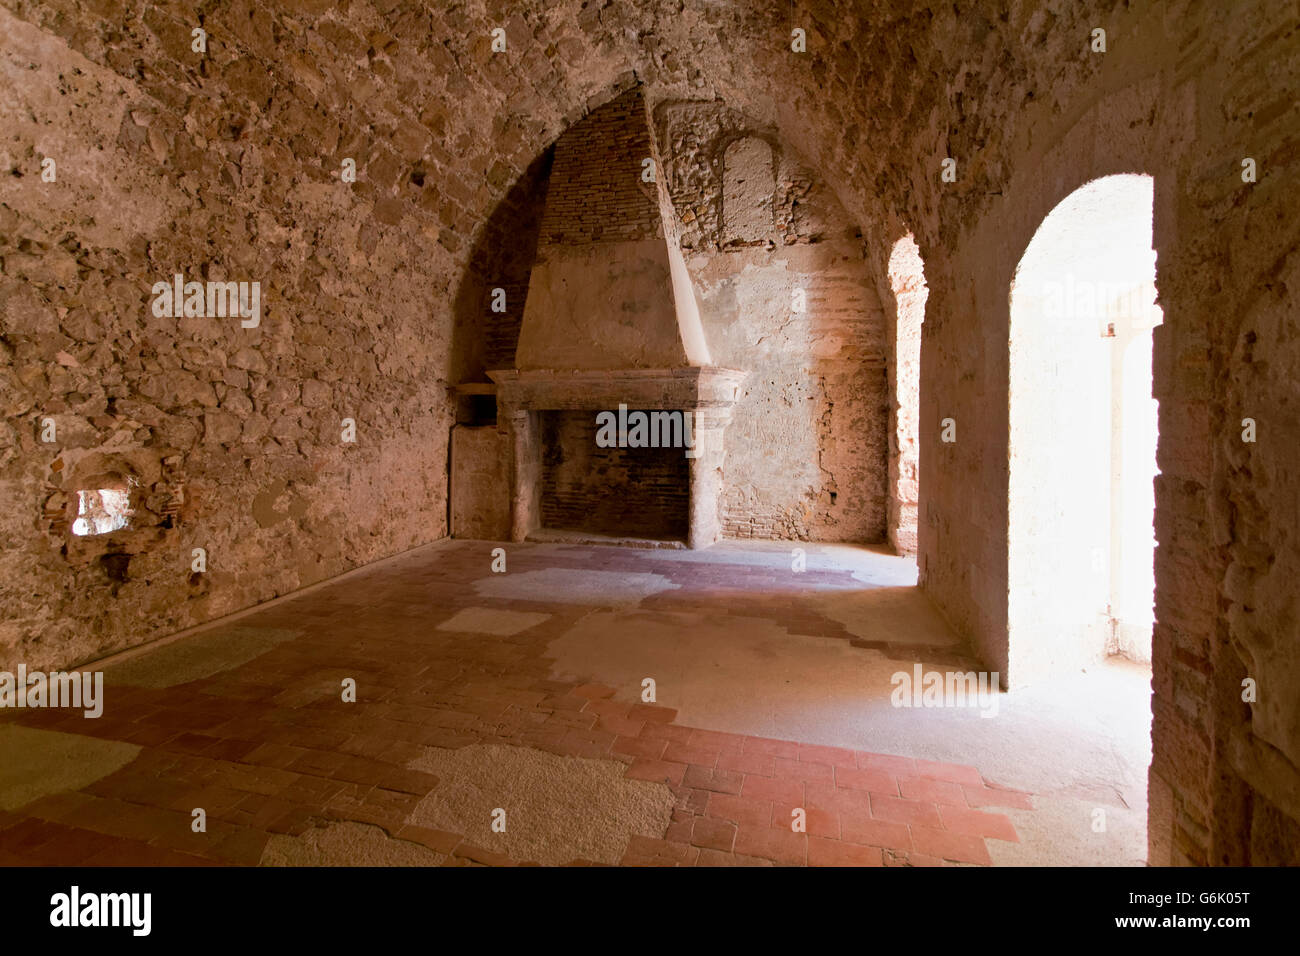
(486, 324)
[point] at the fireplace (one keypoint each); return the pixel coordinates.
(560, 475)
(599, 487)
(611, 320)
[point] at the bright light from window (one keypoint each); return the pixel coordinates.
(102, 510)
(1083, 433)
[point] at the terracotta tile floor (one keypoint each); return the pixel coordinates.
(262, 761)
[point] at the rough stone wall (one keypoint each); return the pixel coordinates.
(1224, 781)
(733, 182)
(480, 483)
(784, 294)
(233, 436)
(885, 92)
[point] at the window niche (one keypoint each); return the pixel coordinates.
(102, 509)
(748, 185)
(109, 507)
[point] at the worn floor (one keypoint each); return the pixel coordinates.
(498, 719)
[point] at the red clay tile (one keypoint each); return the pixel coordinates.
(645, 851)
(817, 822)
(691, 799)
(950, 846)
(771, 843)
(640, 746)
(662, 731)
(714, 834)
(746, 810)
(932, 791)
(761, 764)
(887, 762)
(715, 741)
(978, 823)
(718, 781)
(618, 725)
(608, 708)
(952, 772)
(679, 831)
(989, 797)
(653, 713)
(709, 857)
(894, 810)
(863, 828)
(836, 756)
(822, 852)
(684, 753)
(770, 788)
(876, 780)
(787, 769)
(830, 797)
(657, 771)
(776, 748)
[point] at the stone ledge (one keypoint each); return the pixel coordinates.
(605, 389)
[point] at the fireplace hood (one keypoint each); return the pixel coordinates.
(611, 318)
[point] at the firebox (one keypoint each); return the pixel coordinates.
(594, 486)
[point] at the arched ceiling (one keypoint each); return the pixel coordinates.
(885, 90)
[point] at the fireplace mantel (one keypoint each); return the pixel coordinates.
(688, 389)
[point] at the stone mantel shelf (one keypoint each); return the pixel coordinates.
(687, 388)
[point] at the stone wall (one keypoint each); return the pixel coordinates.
(807, 445)
(233, 438)
(786, 295)
(1224, 783)
(480, 483)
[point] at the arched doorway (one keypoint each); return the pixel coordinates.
(1082, 434)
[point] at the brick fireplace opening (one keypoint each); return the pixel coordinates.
(622, 492)
(548, 418)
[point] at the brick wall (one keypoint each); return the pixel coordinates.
(632, 492)
(807, 448)
(502, 258)
(596, 192)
